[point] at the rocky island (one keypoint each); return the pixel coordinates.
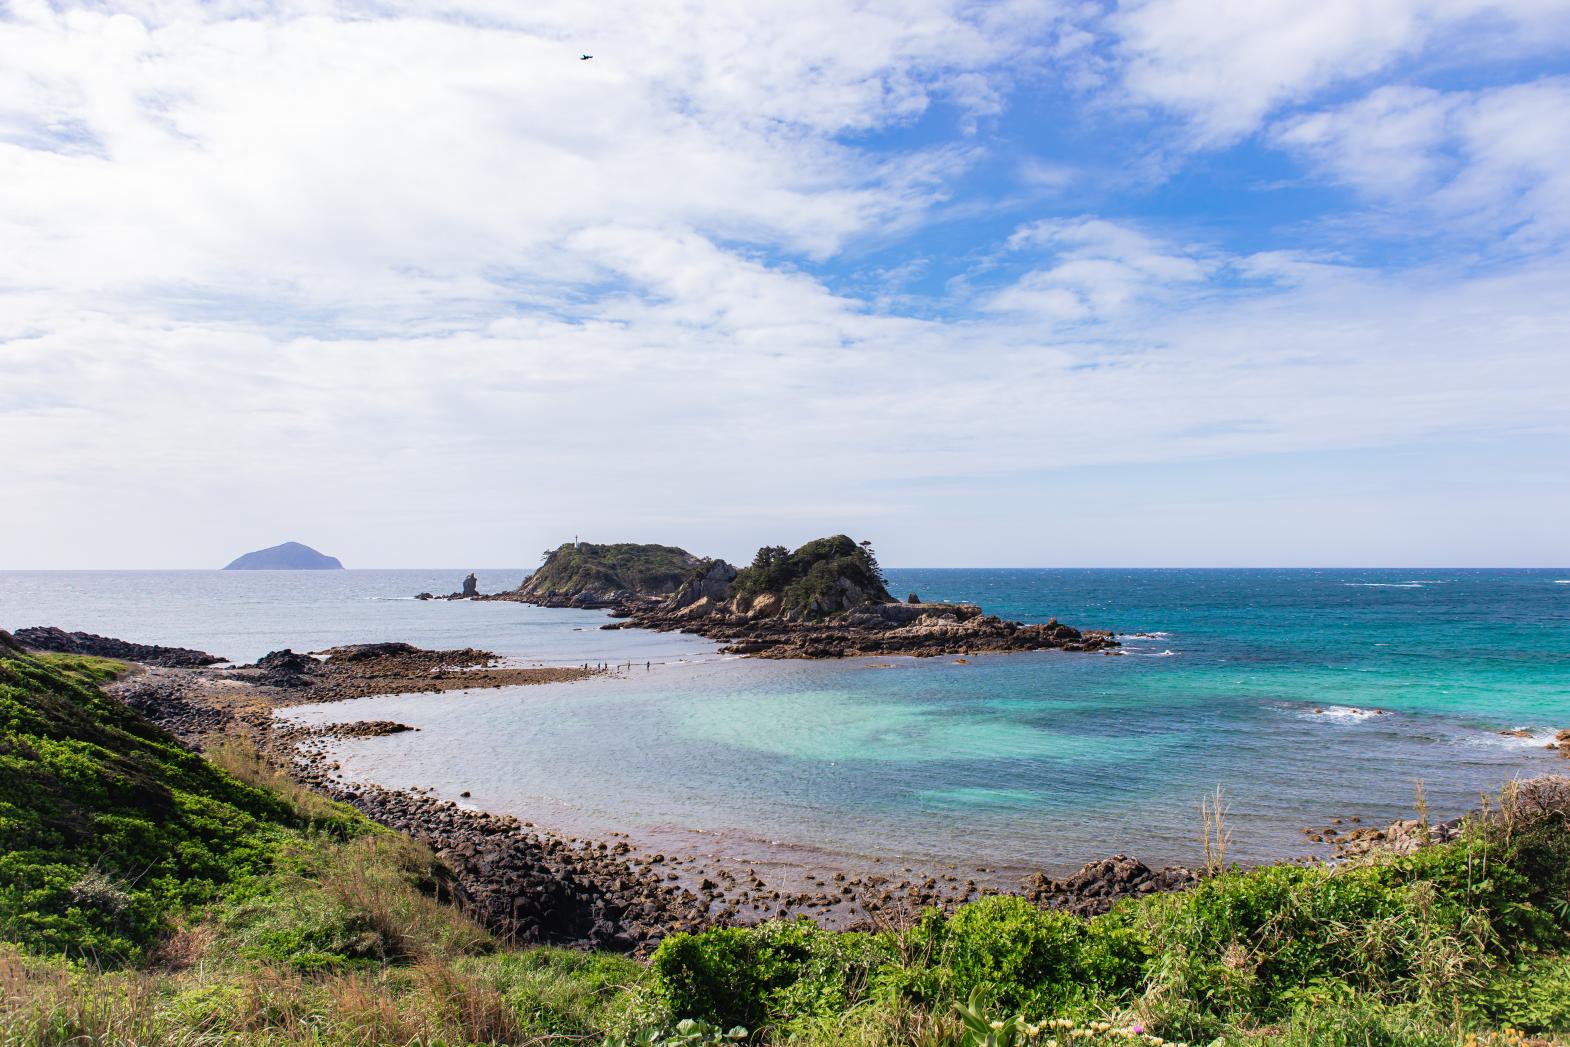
(583, 574)
(827, 599)
(290, 556)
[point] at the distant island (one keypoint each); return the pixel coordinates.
(827, 599)
(290, 556)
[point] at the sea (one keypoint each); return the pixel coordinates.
(1302, 695)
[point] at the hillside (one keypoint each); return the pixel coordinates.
(290, 556)
(584, 574)
(106, 822)
(151, 896)
(824, 576)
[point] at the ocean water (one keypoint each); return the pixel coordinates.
(1262, 682)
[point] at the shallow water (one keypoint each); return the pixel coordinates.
(1008, 761)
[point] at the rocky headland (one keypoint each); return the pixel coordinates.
(827, 599)
(584, 574)
(50, 638)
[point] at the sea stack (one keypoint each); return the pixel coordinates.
(290, 556)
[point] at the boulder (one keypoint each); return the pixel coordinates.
(711, 582)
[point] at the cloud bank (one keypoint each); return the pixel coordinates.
(415, 284)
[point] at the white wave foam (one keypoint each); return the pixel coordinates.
(1343, 713)
(1384, 585)
(1537, 738)
(1139, 652)
(1562, 581)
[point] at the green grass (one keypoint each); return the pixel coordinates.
(86, 668)
(106, 823)
(149, 896)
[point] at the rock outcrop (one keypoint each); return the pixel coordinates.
(1093, 889)
(922, 630)
(49, 638)
(582, 574)
(290, 556)
(828, 600)
(470, 591)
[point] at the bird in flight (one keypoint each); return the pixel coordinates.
(584, 58)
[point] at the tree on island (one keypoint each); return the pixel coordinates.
(809, 573)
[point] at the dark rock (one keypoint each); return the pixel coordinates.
(1095, 887)
(49, 638)
(471, 586)
(286, 669)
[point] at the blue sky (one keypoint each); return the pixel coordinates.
(1179, 282)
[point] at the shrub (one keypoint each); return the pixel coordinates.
(1019, 958)
(776, 973)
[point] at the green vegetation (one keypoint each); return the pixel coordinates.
(149, 896)
(106, 823)
(1405, 949)
(806, 579)
(573, 568)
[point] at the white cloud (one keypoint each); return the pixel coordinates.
(1489, 163)
(1225, 67)
(1099, 270)
(339, 161)
(408, 274)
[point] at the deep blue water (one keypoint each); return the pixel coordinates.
(1263, 682)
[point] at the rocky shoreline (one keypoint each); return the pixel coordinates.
(50, 638)
(530, 884)
(915, 629)
(522, 880)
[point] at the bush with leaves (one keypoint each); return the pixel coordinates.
(687, 1033)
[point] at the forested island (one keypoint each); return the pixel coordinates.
(826, 599)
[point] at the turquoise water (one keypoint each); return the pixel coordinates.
(1007, 761)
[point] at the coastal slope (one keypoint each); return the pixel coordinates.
(290, 556)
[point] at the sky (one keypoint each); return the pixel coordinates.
(1171, 283)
